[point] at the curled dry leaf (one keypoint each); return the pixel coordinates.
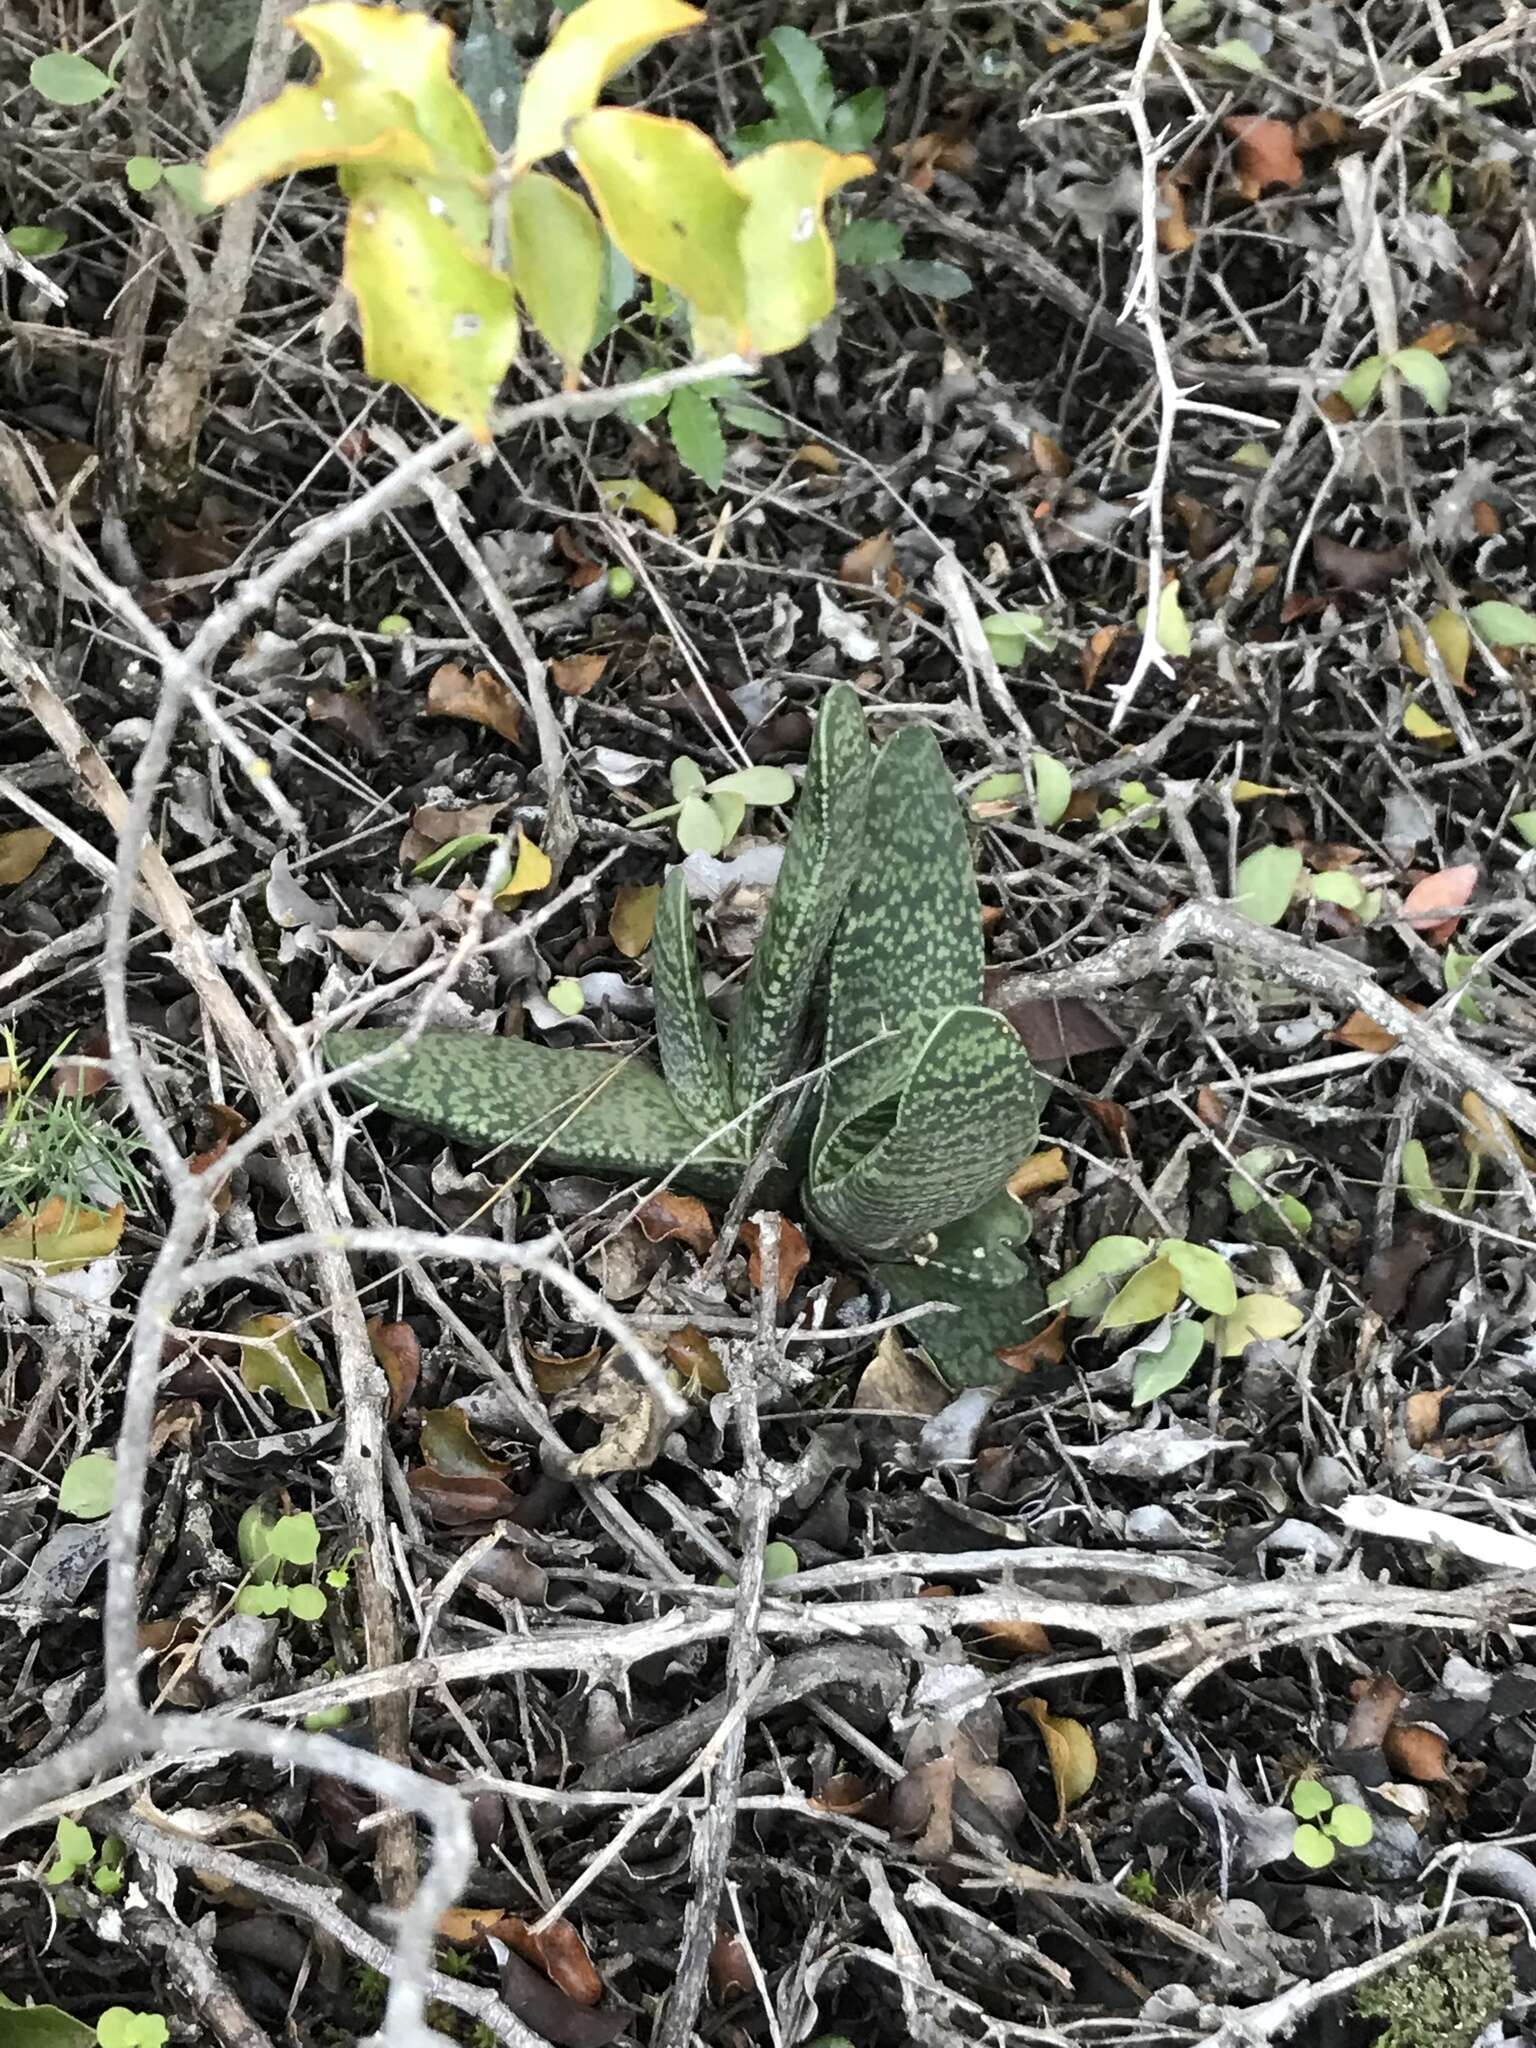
(1017, 1638)
(398, 1352)
(1174, 233)
(482, 698)
(690, 1354)
(1210, 1108)
(898, 1383)
(1427, 901)
(667, 1216)
(1099, 643)
(1421, 1416)
(1489, 1135)
(730, 1968)
(924, 154)
(558, 1951)
(1041, 1170)
(794, 1253)
(434, 825)
(1364, 1034)
(1416, 1752)
(1266, 153)
(1046, 1347)
(1073, 1759)
(459, 1503)
(868, 564)
(449, 1446)
(577, 674)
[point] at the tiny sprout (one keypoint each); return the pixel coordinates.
(621, 582)
(1133, 796)
(1325, 1827)
(324, 1719)
(394, 626)
(709, 814)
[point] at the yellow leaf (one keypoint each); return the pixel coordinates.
(633, 919)
(1417, 721)
(1145, 1296)
(435, 316)
(1452, 637)
(385, 97)
(557, 262)
(1069, 1747)
(628, 494)
(1077, 35)
(1042, 1170)
(1172, 626)
(271, 1357)
(591, 45)
(1247, 792)
(59, 1237)
(667, 198)
(21, 852)
(786, 251)
(531, 871)
(1256, 1316)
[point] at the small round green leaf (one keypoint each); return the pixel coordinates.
(1339, 886)
(1359, 387)
(68, 80)
(1524, 823)
(1204, 1275)
(88, 1488)
(1145, 1297)
(685, 776)
(1427, 374)
(262, 1600)
(779, 1562)
(698, 826)
(1010, 635)
(75, 1843)
(107, 1881)
(36, 242)
(143, 173)
(566, 997)
(1311, 1846)
(1309, 1798)
(1084, 1289)
(295, 1539)
(306, 1602)
(1351, 1825)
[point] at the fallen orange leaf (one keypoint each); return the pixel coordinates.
(1425, 902)
(1266, 153)
(793, 1254)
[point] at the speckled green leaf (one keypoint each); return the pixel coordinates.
(909, 946)
(582, 1112)
(768, 1033)
(692, 1050)
(982, 1268)
(968, 1114)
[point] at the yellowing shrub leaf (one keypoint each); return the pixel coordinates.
(1256, 1316)
(786, 252)
(459, 335)
(628, 494)
(271, 1357)
(557, 262)
(668, 199)
(531, 871)
(1266, 881)
(593, 44)
(59, 1237)
(1145, 1296)
(21, 852)
(1204, 1276)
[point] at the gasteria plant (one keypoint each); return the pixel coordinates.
(445, 237)
(924, 1102)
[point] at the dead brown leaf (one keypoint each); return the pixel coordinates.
(669, 1216)
(1210, 1108)
(584, 571)
(433, 825)
(923, 155)
(815, 456)
(1046, 1347)
(1174, 233)
(1364, 1034)
(1073, 1759)
(794, 1252)
(1017, 1638)
(559, 1952)
(1376, 1703)
(1343, 567)
(690, 1353)
(553, 1375)
(577, 674)
(1100, 642)
(898, 1383)
(451, 1449)
(483, 699)
(458, 1503)
(1416, 1752)
(1421, 1416)
(1426, 901)
(1114, 1121)
(1323, 128)
(1048, 455)
(867, 564)
(1266, 153)
(398, 1352)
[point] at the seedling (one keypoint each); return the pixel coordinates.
(58, 1146)
(1416, 366)
(1134, 806)
(709, 814)
(996, 795)
(75, 1854)
(1123, 1281)
(118, 2027)
(1325, 1827)
(268, 1547)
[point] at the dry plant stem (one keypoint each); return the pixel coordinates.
(716, 1833)
(307, 1902)
(127, 1726)
(177, 1955)
(1302, 966)
(179, 393)
(976, 656)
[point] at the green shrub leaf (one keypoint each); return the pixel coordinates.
(1087, 1288)
(1427, 374)
(1053, 789)
(1266, 881)
(1145, 1298)
(695, 429)
(592, 44)
(1204, 1275)
(1500, 624)
(557, 263)
(757, 785)
(43, 2026)
(1159, 1372)
(68, 80)
(797, 84)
